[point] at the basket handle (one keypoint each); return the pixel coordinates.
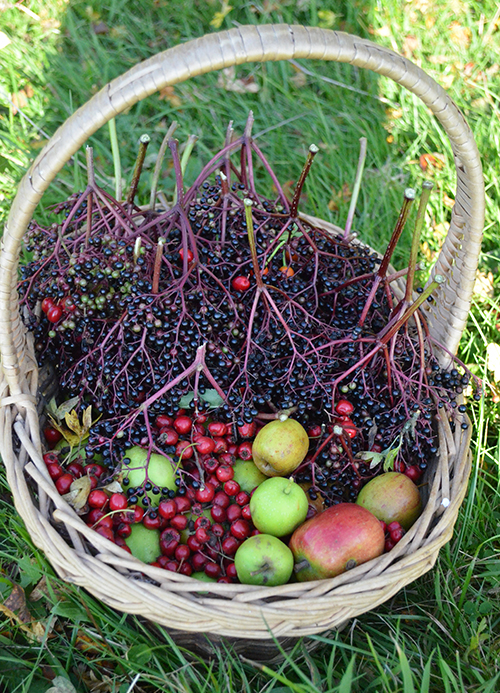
(458, 259)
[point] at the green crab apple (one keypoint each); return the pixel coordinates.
(144, 543)
(336, 540)
(392, 497)
(280, 446)
(158, 470)
(263, 560)
(278, 506)
(247, 475)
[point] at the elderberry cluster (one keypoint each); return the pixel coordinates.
(202, 307)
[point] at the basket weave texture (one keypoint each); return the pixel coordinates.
(80, 555)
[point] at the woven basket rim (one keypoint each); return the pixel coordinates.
(235, 610)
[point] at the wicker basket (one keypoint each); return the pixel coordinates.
(245, 614)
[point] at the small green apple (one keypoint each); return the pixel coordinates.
(247, 475)
(144, 543)
(263, 560)
(278, 506)
(159, 471)
(280, 446)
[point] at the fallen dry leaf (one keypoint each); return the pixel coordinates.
(431, 161)
(100, 28)
(410, 45)
(483, 286)
(16, 601)
(168, 94)
(299, 80)
(448, 201)
(394, 113)
(493, 356)
(440, 231)
(429, 255)
(220, 16)
(78, 492)
(339, 197)
(460, 35)
(61, 685)
(4, 40)
(227, 80)
(19, 100)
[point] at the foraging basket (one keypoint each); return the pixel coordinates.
(243, 613)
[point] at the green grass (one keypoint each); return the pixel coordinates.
(441, 632)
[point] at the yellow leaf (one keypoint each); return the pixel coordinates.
(460, 35)
(73, 439)
(87, 418)
(72, 421)
(326, 19)
(220, 16)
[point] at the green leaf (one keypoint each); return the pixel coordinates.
(73, 612)
(212, 398)
(375, 458)
(391, 455)
(139, 654)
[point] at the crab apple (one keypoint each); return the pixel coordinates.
(278, 506)
(263, 560)
(280, 446)
(392, 497)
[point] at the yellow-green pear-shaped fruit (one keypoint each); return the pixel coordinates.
(279, 447)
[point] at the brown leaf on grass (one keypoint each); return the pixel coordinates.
(97, 685)
(483, 286)
(339, 196)
(410, 45)
(100, 28)
(429, 255)
(19, 100)
(40, 591)
(431, 161)
(394, 113)
(61, 684)
(16, 601)
(168, 94)
(299, 80)
(448, 201)
(460, 35)
(228, 81)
